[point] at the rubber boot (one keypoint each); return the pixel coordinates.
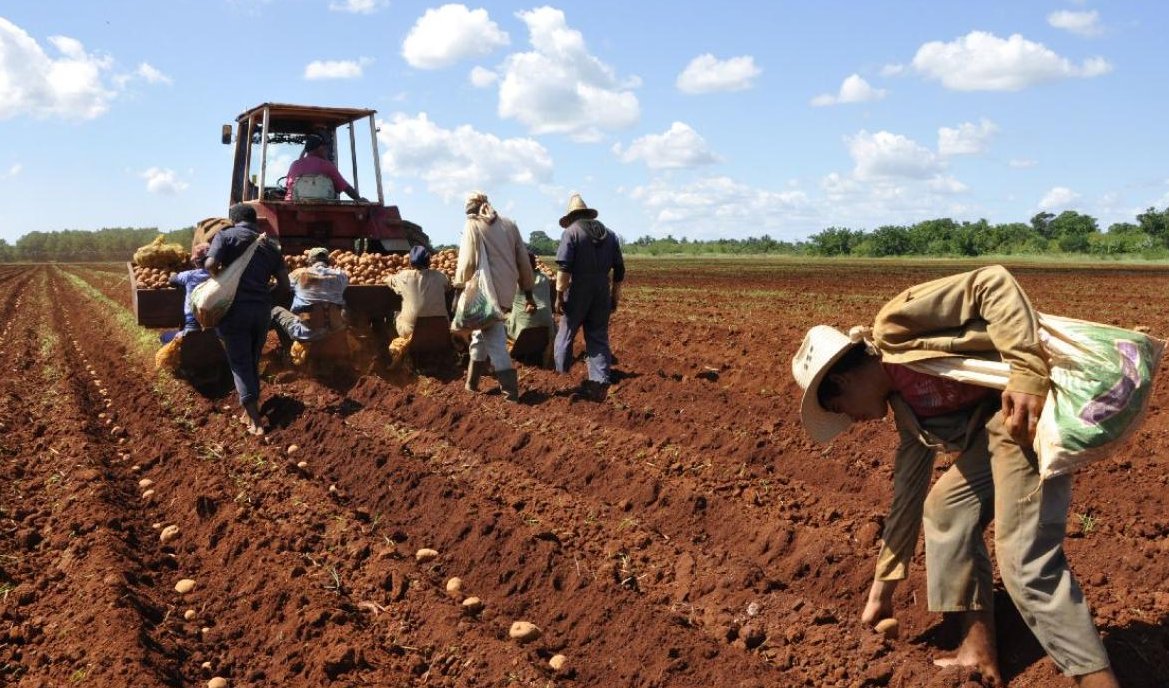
(509, 383)
(474, 372)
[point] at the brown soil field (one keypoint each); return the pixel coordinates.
(684, 532)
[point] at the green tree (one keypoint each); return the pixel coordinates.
(1155, 224)
(541, 244)
(1071, 231)
(835, 241)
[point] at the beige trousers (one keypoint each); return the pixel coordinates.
(994, 478)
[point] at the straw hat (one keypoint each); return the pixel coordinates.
(823, 346)
(576, 210)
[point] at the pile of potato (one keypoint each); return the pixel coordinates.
(372, 268)
(152, 278)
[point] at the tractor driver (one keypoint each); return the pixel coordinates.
(318, 301)
(314, 161)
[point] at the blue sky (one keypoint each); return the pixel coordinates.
(693, 119)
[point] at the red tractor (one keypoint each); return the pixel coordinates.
(268, 138)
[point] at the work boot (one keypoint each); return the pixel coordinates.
(474, 372)
(509, 383)
(595, 391)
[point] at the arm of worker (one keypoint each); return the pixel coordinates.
(527, 274)
(618, 275)
(912, 468)
(214, 262)
(468, 256)
(283, 285)
(565, 258)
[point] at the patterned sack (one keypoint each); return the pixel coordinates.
(478, 307)
(1101, 383)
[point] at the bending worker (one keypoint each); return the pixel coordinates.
(983, 314)
(318, 301)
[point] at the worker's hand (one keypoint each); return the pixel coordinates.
(880, 603)
(530, 306)
(614, 297)
(1021, 415)
(558, 303)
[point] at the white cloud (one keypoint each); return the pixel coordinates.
(1022, 163)
(163, 181)
(336, 69)
(706, 74)
(450, 34)
(483, 78)
(559, 87)
(981, 61)
(1058, 198)
(152, 75)
(358, 6)
(720, 206)
(854, 89)
(885, 154)
(1083, 23)
(71, 86)
(892, 70)
(13, 171)
(680, 146)
(967, 139)
(454, 161)
(947, 185)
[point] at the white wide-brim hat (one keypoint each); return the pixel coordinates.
(822, 347)
(577, 210)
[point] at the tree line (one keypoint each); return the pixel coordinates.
(79, 246)
(1069, 232)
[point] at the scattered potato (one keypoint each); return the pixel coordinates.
(524, 631)
(424, 555)
(185, 586)
(889, 628)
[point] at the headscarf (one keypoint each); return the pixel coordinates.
(420, 257)
(478, 207)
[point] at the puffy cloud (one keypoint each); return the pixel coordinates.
(32, 83)
(559, 87)
(854, 89)
(163, 181)
(680, 146)
(1022, 163)
(151, 75)
(706, 73)
(358, 6)
(336, 69)
(967, 139)
(947, 185)
(1083, 23)
(454, 161)
(720, 206)
(449, 34)
(981, 61)
(483, 78)
(1059, 197)
(885, 154)
(12, 171)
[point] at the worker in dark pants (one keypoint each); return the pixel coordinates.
(587, 254)
(244, 327)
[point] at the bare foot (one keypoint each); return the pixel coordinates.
(880, 603)
(257, 430)
(978, 650)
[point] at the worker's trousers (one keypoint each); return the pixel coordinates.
(996, 478)
(588, 305)
(243, 330)
(491, 342)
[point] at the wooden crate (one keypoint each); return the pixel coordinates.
(156, 307)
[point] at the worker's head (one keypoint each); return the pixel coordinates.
(319, 254)
(532, 258)
(314, 144)
(241, 212)
(842, 381)
(199, 254)
(475, 201)
(420, 257)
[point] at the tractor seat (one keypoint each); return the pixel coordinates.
(313, 187)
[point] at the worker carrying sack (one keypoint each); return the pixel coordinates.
(1101, 382)
(212, 299)
(478, 306)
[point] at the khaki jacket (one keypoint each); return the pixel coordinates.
(423, 296)
(507, 257)
(983, 313)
